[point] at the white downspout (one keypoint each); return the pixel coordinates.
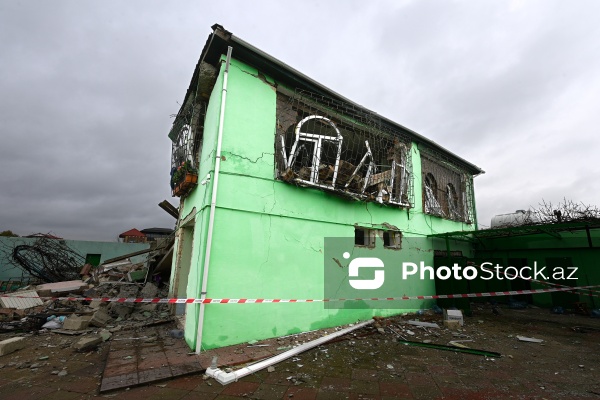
(213, 202)
(225, 378)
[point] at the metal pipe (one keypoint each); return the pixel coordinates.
(227, 377)
(213, 203)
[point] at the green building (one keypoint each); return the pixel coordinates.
(268, 164)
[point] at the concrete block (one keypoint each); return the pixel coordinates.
(454, 315)
(76, 323)
(88, 343)
(452, 324)
(95, 304)
(100, 319)
(121, 309)
(149, 291)
(11, 345)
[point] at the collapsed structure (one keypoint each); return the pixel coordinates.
(267, 163)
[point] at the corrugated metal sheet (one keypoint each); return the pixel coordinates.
(16, 302)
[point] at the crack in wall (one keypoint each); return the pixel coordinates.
(249, 159)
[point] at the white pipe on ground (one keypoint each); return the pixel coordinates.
(213, 203)
(225, 378)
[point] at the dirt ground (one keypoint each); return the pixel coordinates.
(367, 364)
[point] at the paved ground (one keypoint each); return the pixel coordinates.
(369, 365)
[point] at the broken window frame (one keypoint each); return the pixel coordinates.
(317, 141)
(431, 203)
(445, 172)
(395, 185)
(454, 211)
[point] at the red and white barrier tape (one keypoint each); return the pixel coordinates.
(260, 301)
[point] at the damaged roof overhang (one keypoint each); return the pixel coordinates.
(216, 46)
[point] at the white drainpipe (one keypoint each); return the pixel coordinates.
(211, 219)
(227, 377)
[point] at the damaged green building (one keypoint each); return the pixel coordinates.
(268, 164)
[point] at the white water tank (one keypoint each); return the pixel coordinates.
(519, 217)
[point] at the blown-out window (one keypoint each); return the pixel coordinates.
(447, 188)
(332, 146)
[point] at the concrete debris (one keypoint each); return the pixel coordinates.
(105, 335)
(58, 288)
(452, 324)
(11, 345)
(423, 324)
(528, 339)
(75, 323)
(453, 315)
(88, 343)
(99, 319)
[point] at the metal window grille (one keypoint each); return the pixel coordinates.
(334, 146)
(447, 188)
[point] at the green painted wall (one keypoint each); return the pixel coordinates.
(269, 235)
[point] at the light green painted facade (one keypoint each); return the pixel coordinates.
(269, 235)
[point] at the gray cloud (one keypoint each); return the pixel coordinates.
(88, 90)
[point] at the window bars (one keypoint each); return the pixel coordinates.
(447, 188)
(337, 147)
(186, 135)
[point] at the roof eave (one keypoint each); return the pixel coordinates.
(280, 71)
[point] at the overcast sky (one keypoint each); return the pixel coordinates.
(87, 90)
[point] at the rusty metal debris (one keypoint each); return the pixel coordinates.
(49, 260)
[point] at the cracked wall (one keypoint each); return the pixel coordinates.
(269, 235)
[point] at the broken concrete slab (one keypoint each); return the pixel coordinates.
(121, 309)
(100, 319)
(149, 291)
(105, 335)
(50, 289)
(76, 323)
(95, 304)
(88, 343)
(11, 345)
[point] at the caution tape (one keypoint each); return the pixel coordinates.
(263, 301)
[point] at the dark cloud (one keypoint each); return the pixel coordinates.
(88, 90)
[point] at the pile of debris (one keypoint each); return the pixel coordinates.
(24, 310)
(63, 306)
